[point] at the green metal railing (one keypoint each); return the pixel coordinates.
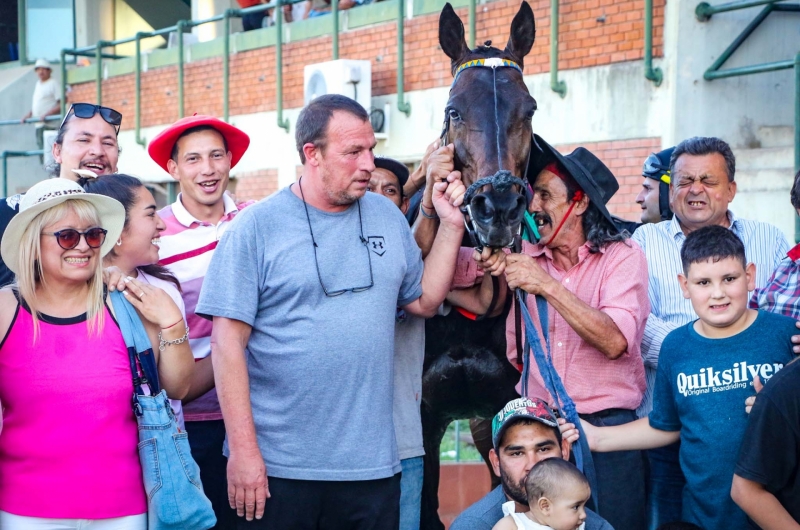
(653, 74)
(402, 105)
(54, 117)
(5, 155)
(22, 34)
(559, 87)
(704, 13)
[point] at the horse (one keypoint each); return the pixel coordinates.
(488, 118)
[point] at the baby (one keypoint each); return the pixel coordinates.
(557, 493)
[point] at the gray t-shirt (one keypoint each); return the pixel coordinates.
(320, 367)
(409, 354)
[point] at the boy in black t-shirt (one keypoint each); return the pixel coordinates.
(766, 484)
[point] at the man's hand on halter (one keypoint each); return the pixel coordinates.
(490, 260)
(524, 273)
(447, 197)
(439, 168)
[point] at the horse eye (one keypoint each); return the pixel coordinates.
(453, 114)
(529, 114)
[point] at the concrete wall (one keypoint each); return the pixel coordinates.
(94, 21)
(732, 108)
(16, 89)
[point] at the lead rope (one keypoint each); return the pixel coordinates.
(552, 381)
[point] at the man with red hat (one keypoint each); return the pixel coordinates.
(199, 152)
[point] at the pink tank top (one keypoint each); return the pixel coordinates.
(69, 443)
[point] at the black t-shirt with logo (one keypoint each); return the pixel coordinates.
(9, 207)
(770, 453)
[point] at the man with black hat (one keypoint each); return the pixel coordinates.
(595, 283)
(199, 151)
(524, 433)
(654, 197)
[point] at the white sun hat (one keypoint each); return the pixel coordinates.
(42, 63)
(49, 193)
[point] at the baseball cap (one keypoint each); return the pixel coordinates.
(42, 63)
(160, 148)
(518, 409)
(398, 168)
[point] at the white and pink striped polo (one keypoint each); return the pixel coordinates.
(187, 246)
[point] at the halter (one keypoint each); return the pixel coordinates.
(503, 179)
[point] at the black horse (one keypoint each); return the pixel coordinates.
(488, 118)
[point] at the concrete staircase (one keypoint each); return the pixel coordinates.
(764, 177)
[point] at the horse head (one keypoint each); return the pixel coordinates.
(488, 119)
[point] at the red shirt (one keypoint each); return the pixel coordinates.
(248, 3)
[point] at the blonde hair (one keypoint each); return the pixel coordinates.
(30, 274)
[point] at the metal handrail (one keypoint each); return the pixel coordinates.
(559, 87)
(53, 117)
(714, 71)
(653, 74)
(5, 155)
(704, 11)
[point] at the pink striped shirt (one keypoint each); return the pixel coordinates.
(187, 246)
(613, 281)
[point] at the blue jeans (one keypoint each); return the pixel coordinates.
(410, 493)
(664, 486)
(620, 476)
(205, 440)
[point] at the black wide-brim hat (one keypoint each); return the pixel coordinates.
(591, 175)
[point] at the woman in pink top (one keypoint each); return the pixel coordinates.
(68, 450)
(135, 254)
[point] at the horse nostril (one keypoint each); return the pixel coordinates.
(482, 208)
(519, 209)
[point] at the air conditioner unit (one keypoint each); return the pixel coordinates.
(344, 76)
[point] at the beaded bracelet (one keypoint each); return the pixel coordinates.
(425, 215)
(162, 344)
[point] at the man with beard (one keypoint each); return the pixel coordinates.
(304, 300)
(86, 141)
(524, 433)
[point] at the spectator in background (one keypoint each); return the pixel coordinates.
(199, 152)
(316, 8)
(654, 197)
(46, 99)
(701, 188)
(389, 179)
(86, 142)
(253, 20)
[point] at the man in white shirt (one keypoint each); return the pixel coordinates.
(46, 99)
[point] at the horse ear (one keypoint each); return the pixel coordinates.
(451, 34)
(523, 33)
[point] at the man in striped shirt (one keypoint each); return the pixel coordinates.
(199, 152)
(701, 188)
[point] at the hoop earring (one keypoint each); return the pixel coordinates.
(119, 242)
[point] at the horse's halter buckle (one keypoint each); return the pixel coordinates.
(502, 180)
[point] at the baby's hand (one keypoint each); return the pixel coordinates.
(569, 432)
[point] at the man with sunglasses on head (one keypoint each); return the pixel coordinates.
(199, 152)
(304, 301)
(86, 141)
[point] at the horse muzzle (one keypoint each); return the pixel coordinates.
(493, 217)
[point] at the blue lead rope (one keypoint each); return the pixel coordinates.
(553, 384)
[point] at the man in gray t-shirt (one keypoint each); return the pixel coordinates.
(303, 288)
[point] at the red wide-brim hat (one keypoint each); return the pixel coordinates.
(160, 147)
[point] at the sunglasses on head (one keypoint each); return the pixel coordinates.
(69, 237)
(87, 110)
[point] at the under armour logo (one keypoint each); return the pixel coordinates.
(377, 244)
